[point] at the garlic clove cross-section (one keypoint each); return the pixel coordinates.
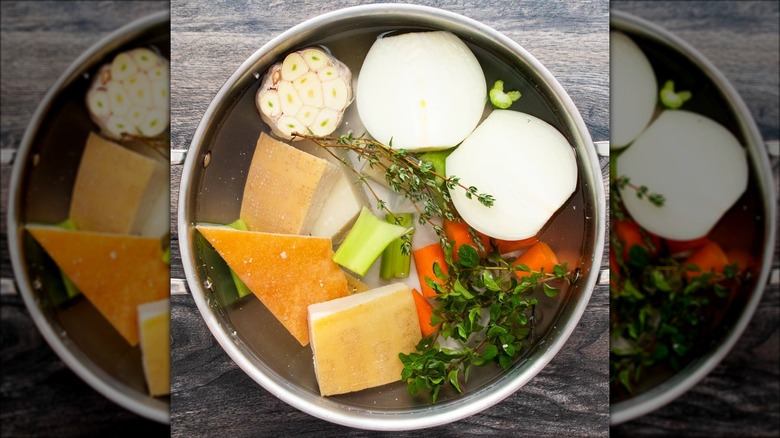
(129, 96)
(307, 93)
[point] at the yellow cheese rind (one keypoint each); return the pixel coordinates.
(154, 321)
(116, 188)
(285, 188)
(356, 340)
(287, 273)
(115, 273)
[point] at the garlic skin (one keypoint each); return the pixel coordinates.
(130, 96)
(307, 92)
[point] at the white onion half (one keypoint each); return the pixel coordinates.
(695, 163)
(423, 90)
(633, 90)
(524, 162)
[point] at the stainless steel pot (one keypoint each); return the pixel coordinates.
(664, 47)
(40, 189)
(212, 183)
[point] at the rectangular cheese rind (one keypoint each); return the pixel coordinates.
(116, 189)
(285, 188)
(356, 339)
(116, 273)
(155, 339)
(286, 272)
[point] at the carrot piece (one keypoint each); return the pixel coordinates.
(424, 314)
(458, 233)
(424, 259)
(538, 257)
(678, 246)
(614, 269)
(709, 258)
(507, 246)
(630, 234)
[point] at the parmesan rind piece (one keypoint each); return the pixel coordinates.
(117, 191)
(116, 273)
(285, 188)
(154, 322)
(287, 273)
(356, 340)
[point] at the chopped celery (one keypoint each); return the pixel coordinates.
(438, 160)
(395, 264)
(241, 288)
(502, 99)
(671, 99)
(70, 288)
(366, 241)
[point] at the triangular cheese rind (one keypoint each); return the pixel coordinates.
(115, 272)
(286, 272)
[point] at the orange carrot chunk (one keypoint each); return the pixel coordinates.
(709, 258)
(538, 257)
(424, 258)
(458, 233)
(630, 234)
(424, 314)
(678, 246)
(507, 246)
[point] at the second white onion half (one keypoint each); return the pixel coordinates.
(525, 163)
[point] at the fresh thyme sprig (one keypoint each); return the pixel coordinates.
(415, 180)
(642, 192)
(486, 310)
(659, 313)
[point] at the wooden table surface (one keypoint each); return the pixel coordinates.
(740, 397)
(211, 394)
(41, 396)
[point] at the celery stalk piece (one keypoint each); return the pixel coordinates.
(366, 241)
(241, 288)
(438, 160)
(395, 264)
(502, 99)
(70, 288)
(671, 99)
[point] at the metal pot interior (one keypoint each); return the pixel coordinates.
(212, 185)
(747, 226)
(44, 174)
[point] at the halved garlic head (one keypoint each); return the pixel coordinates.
(306, 93)
(131, 95)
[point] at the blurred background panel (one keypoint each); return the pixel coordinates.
(741, 396)
(41, 395)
